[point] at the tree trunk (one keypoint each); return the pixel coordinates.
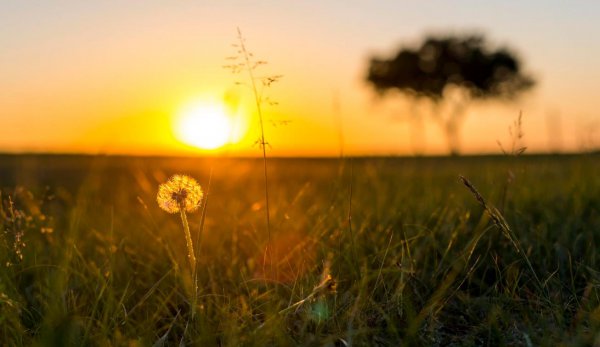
(454, 122)
(453, 136)
(417, 132)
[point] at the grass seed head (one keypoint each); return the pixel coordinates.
(327, 286)
(180, 192)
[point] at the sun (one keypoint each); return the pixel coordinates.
(206, 126)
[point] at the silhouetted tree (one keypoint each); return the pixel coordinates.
(450, 71)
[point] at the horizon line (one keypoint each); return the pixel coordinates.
(278, 157)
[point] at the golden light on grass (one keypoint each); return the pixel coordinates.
(207, 125)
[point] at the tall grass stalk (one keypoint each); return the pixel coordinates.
(350, 193)
(199, 240)
(248, 64)
(516, 150)
(203, 214)
(501, 223)
(263, 143)
(338, 120)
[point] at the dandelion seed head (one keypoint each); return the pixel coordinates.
(180, 192)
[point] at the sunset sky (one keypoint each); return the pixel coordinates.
(116, 76)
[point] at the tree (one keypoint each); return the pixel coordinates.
(450, 71)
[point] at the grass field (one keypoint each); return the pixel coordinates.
(88, 257)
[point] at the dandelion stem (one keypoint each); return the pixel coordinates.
(191, 257)
(188, 240)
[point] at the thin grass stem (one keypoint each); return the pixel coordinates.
(263, 143)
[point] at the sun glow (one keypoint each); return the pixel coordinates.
(207, 126)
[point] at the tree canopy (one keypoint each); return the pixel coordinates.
(464, 61)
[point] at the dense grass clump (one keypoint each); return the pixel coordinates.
(399, 251)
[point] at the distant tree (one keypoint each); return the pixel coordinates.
(450, 71)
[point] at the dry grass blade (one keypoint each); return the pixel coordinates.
(500, 222)
(327, 286)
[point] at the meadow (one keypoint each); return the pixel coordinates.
(363, 251)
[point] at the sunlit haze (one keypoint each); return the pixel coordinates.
(207, 126)
(125, 77)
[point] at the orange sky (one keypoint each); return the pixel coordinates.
(110, 77)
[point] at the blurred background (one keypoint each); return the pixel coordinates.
(147, 78)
